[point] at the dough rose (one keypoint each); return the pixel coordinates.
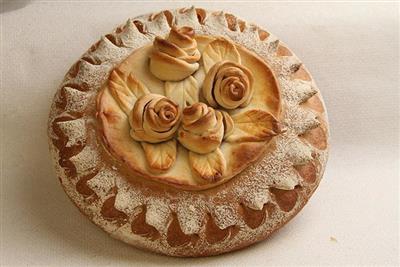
(202, 128)
(175, 58)
(228, 85)
(154, 118)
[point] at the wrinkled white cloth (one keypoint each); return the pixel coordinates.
(350, 48)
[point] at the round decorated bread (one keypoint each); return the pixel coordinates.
(189, 133)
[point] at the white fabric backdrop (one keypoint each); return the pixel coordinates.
(351, 49)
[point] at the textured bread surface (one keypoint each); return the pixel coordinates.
(172, 221)
(238, 155)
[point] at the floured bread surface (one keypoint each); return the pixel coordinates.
(263, 104)
(154, 214)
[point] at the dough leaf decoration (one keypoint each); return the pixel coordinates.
(210, 167)
(218, 50)
(253, 126)
(184, 93)
(228, 123)
(160, 157)
(195, 109)
(126, 89)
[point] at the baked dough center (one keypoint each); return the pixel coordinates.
(190, 111)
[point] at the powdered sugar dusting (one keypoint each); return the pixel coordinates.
(107, 52)
(216, 20)
(86, 161)
(251, 186)
(191, 215)
(275, 169)
(75, 130)
(296, 91)
(91, 75)
(225, 216)
(187, 17)
(77, 101)
(300, 119)
(287, 65)
(102, 182)
(157, 26)
(158, 213)
(251, 31)
(298, 152)
(131, 37)
(256, 198)
(127, 198)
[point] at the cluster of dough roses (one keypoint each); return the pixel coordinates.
(200, 128)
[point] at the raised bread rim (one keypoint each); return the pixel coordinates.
(169, 230)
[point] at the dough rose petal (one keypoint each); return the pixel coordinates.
(175, 58)
(154, 119)
(202, 128)
(228, 85)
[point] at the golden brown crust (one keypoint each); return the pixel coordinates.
(154, 119)
(202, 129)
(209, 167)
(229, 85)
(170, 234)
(175, 58)
(253, 218)
(283, 51)
(246, 153)
(160, 157)
(256, 115)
